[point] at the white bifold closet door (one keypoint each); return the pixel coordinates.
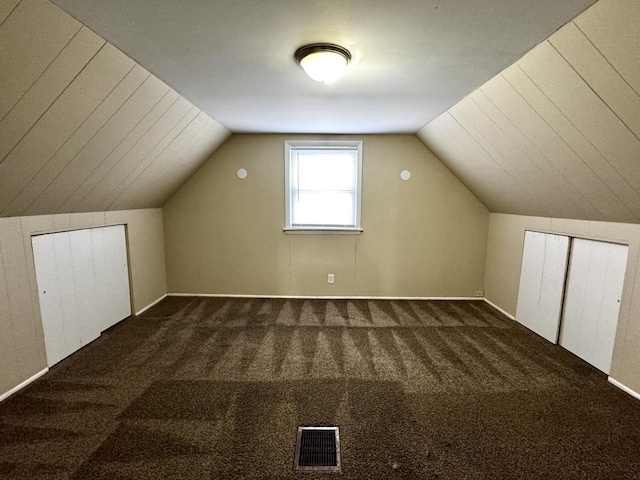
(542, 278)
(111, 265)
(592, 303)
(83, 286)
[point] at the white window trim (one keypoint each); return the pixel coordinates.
(337, 144)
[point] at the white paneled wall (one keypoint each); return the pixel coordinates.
(83, 286)
(557, 134)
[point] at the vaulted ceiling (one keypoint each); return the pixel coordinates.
(85, 127)
(82, 126)
(414, 58)
(557, 134)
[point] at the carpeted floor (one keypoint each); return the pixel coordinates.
(215, 388)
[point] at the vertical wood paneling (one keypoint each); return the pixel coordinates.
(124, 149)
(570, 154)
(156, 153)
(549, 147)
(25, 203)
(516, 148)
(169, 178)
(153, 178)
(446, 149)
(6, 7)
(618, 194)
(96, 191)
(599, 74)
(173, 177)
(612, 26)
(12, 373)
(31, 38)
(170, 156)
(474, 156)
(19, 297)
(571, 107)
(62, 221)
(77, 123)
(109, 137)
(490, 137)
(587, 112)
(77, 102)
(62, 70)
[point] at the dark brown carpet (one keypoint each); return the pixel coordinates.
(215, 388)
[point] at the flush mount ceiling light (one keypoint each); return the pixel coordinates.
(323, 62)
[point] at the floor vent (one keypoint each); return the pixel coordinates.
(318, 449)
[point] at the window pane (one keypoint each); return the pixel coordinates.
(326, 171)
(314, 208)
(323, 186)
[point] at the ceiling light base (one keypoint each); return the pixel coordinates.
(323, 62)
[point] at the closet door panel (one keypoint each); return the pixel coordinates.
(117, 268)
(592, 305)
(66, 285)
(544, 263)
(50, 301)
(102, 303)
(573, 332)
(612, 298)
(85, 285)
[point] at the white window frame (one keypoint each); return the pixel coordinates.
(320, 145)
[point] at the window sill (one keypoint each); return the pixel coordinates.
(322, 231)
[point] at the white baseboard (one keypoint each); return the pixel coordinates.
(315, 297)
(505, 313)
(624, 388)
(22, 385)
(151, 305)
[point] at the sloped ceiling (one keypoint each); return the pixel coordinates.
(82, 126)
(85, 128)
(557, 134)
(413, 58)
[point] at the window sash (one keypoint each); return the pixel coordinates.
(318, 198)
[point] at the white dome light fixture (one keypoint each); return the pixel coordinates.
(323, 62)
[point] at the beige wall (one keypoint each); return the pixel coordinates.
(504, 258)
(424, 237)
(22, 352)
(556, 134)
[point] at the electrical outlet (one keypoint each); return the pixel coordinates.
(479, 293)
(331, 278)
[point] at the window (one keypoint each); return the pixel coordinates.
(323, 184)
